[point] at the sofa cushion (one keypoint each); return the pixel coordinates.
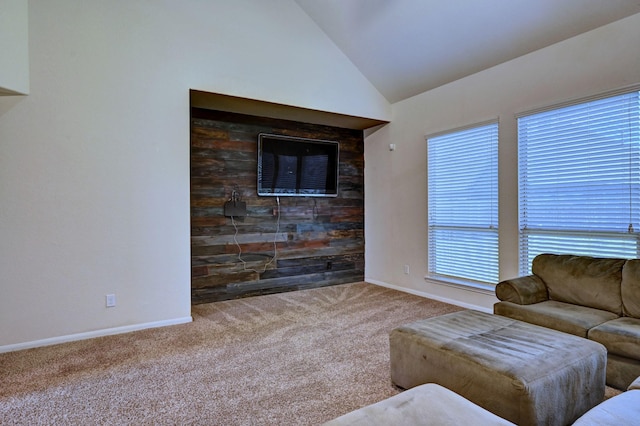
(630, 288)
(620, 336)
(582, 280)
(566, 317)
(428, 404)
(623, 409)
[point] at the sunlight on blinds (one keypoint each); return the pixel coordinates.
(579, 186)
(463, 204)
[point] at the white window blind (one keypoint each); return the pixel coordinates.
(463, 204)
(579, 187)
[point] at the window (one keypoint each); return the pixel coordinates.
(579, 184)
(463, 204)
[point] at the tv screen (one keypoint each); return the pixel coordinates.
(291, 166)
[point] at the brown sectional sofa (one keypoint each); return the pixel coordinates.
(594, 298)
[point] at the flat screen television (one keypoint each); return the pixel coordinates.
(292, 166)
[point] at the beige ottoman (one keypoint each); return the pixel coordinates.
(524, 373)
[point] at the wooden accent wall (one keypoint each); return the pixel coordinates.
(320, 241)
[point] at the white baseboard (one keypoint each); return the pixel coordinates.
(93, 334)
(428, 295)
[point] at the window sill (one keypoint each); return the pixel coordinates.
(462, 284)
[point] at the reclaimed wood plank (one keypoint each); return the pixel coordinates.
(320, 241)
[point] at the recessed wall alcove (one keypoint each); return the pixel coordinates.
(318, 241)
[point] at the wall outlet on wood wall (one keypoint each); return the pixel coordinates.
(235, 208)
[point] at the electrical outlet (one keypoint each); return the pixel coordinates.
(406, 269)
(110, 300)
(235, 209)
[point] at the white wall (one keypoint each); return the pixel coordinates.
(94, 163)
(395, 182)
(14, 47)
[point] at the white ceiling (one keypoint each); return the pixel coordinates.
(405, 47)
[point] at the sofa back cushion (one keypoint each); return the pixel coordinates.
(582, 280)
(631, 288)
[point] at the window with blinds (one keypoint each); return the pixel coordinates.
(579, 181)
(463, 204)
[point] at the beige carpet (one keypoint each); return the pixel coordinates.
(295, 358)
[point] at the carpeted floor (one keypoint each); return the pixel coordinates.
(295, 358)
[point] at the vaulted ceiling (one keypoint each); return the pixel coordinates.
(406, 47)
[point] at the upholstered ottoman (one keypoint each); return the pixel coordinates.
(527, 374)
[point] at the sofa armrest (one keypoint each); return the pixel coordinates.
(522, 290)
